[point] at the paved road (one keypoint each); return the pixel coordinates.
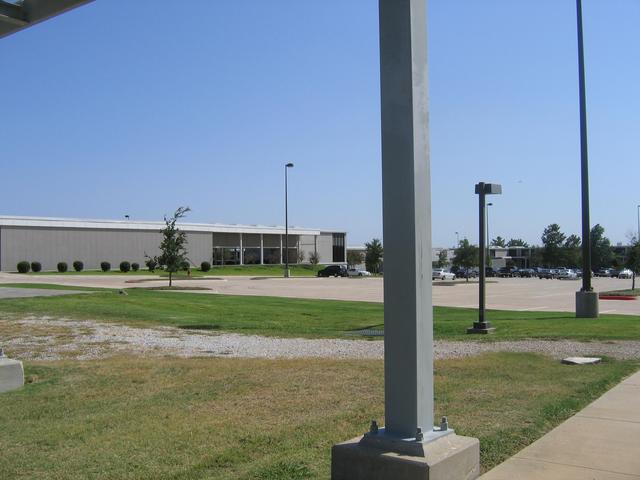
(8, 292)
(523, 294)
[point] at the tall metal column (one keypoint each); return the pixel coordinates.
(584, 161)
(406, 192)
(586, 298)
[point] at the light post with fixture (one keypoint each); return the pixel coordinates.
(286, 220)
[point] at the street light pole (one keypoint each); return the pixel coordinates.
(638, 237)
(586, 298)
(483, 189)
(286, 219)
(488, 236)
(457, 239)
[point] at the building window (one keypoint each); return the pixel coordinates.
(251, 256)
(338, 247)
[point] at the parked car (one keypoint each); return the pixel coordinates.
(547, 273)
(604, 272)
(505, 272)
(626, 273)
(566, 274)
(526, 272)
(354, 272)
(442, 274)
(489, 272)
(466, 273)
(333, 271)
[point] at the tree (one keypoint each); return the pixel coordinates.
(443, 259)
(601, 253)
(301, 256)
(466, 255)
(373, 255)
(498, 242)
(552, 241)
(572, 252)
(314, 258)
(173, 248)
(354, 257)
(633, 262)
(517, 242)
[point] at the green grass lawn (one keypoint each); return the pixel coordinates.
(631, 293)
(289, 317)
(227, 270)
(180, 419)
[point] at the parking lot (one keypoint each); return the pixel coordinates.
(521, 294)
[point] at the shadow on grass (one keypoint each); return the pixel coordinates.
(200, 327)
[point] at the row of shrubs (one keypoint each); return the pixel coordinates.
(78, 266)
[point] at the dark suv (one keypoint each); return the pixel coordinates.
(333, 271)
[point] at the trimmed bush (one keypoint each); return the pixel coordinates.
(105, 266)
(23, 267)
(135, 266)
(63, 267)
(78, 266)
(185, 266)
(205, 266)
(125, 266)
(151, 264)
(36, 266)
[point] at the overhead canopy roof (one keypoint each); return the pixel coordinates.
(18, 14)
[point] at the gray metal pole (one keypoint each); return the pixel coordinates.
(638, 237)
(286, 222)
(584, 161)
(482, 254)
(406, 192)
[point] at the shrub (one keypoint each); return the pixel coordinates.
(78, 266)
(63, 267)
(36, 266)
(151, 264)
(135, 266)
(105, 266)
(185, 266)
(23, 267)
(125, 266)
(205, 266)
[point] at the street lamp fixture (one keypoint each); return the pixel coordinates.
(483, 189)
(286, 220)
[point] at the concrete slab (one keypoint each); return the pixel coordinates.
(581, 360)
(600, 442)
(11, 374)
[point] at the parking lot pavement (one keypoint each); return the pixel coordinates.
(8, 292)
(521, 294)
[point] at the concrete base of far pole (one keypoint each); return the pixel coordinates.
(450, 457)
(11, 374)
(587, 305)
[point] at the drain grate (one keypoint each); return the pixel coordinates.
(367, 333)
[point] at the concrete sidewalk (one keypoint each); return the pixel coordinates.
(602, 442)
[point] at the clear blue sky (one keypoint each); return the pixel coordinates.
(135, 108)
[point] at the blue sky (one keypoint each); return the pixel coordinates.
(126, 107)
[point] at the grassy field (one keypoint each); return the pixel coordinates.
(180, 419)
(288, 317)
(227, 270)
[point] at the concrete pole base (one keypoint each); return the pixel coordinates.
(587, 305)
(451, 457)
(481, 328)
(11, 374)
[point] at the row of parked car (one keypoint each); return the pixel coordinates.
(539, 272)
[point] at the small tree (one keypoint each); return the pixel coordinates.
(354, 257)
(633, 262)
(373, 255)
(443, 259)
(466, 255)
(314, 258)
(173, 248)
(517, 242)
(498, 242)
(301, 256)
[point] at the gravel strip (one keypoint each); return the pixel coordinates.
(88, 339)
